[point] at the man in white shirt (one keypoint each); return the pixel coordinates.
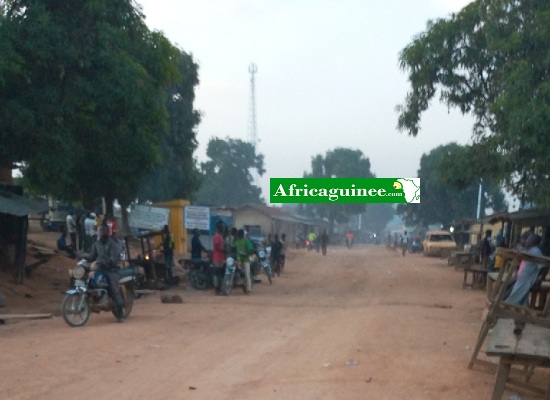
(71, 229)
(91, 231)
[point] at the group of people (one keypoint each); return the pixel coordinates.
(237, 244)
(83, 231)
(318, 241)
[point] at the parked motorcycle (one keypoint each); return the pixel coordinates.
(199, 273)
(90, 293)
(234, 276)
(263, 262)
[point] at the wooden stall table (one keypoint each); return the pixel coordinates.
(462, 259)
(529, 349)
(478, 277)
(500, 309)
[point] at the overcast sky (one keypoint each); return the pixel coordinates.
(327, 76)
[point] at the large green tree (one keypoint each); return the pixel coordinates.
(492, 59)
(227, 177)
(446, 197)
(177, 177)
(82, 96)
(338, 163)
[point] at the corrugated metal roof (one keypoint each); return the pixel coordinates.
(13, 204)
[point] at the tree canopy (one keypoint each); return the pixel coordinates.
(177, 177)
(338, 163)
(492, 59)
(447, 197)
(82, 95)
(227, 178)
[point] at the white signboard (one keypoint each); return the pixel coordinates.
(148, 218)
(197, 217)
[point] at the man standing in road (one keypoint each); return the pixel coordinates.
(243, 248)
(324, 242)
(168, 250)
(404, 243)
(218, 258)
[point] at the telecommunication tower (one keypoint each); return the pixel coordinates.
(252, 133)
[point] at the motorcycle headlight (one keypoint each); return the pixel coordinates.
(261, 254)
(230, 262)
(79, 272)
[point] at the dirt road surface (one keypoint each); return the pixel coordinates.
(364, 323)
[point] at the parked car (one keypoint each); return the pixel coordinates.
(438, 244)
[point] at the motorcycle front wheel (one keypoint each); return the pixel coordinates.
(227, 284)
(75, 309)
(268, 273)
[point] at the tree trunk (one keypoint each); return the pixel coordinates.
(5, 174)
(109, 205)
(124, 225)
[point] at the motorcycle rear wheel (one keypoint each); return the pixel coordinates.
(75, 309)
(227, 284)
(198, 280)
(128, 298)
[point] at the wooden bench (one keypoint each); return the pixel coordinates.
(528, 349)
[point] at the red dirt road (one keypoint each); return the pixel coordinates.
(405, 322)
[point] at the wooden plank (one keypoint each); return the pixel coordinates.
(24, 316)
(535, 342)
(493, 275)
(503, 340)
(44, 250)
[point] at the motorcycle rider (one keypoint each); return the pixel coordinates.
(107, 253)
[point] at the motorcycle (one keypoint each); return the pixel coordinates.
(199, 273)
(90, 293)
(234, 276)
(263, 262)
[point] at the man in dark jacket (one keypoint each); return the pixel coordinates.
(107, 253)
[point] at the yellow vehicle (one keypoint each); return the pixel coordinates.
(438, 244)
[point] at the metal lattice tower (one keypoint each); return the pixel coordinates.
(252, 133)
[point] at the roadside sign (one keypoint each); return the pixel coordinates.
(148, 218)
(197, 217)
